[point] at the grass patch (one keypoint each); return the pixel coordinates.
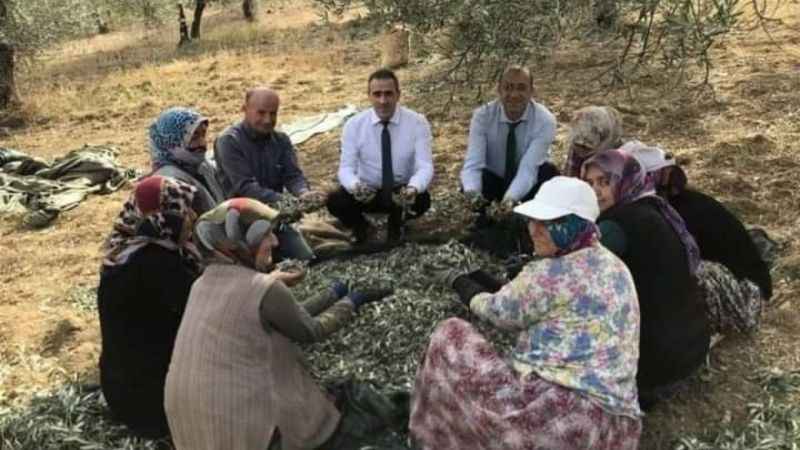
(72, 417)
(772, 424)
(83, 297)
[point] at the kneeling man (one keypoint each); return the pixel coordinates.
(386, 164)
(509, 144)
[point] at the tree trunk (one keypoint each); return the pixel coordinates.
(249, 10)
(102, 25)
(199, 6)
(606, 13)
(7, 88)
(184, 30)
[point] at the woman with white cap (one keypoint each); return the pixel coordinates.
(570, 382)
(734, 279)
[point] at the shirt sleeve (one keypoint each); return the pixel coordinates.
(280, 311)
(236, 168)
(348, 160)
(294, 180)
(423, 160)
(475, 161)
(320, 302)
(537, 153)
(517, 304)
(612, 236)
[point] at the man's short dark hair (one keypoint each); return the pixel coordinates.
(384, 74)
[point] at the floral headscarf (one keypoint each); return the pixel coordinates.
(155, 213)
(232, 229)
(598, 128)
(570, 233)
(171, 133)
(630, 183)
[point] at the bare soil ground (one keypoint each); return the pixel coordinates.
(743, 141)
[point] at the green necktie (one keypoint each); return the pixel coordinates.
(511, 152)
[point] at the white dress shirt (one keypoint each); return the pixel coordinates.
(486, 149)
(411, 138)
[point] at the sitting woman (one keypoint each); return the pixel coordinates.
(178, 150)
(643, 230)
(734, 279)
(570, 383)
(235, 376)
(148, 270)
(593, 129)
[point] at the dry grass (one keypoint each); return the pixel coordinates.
(743, 141)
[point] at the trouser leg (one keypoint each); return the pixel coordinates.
(494, 186)
(342, 205)
(547, 171)
(292, 244)
(422, 202)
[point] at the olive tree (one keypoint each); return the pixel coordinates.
(28, 26)
(480, 37)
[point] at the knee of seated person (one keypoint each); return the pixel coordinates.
(451, 324)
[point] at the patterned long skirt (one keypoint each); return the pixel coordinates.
(467, 397)
(732, 304)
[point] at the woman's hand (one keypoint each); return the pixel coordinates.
(289, 278)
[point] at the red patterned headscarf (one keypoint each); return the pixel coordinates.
(156, 213)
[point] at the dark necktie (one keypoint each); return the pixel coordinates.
(387, 177)
(511, 152)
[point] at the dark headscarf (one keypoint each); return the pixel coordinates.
(156, 213)
(630, 183)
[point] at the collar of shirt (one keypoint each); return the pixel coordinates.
(395, 119)
(528, 114)
(255, 135)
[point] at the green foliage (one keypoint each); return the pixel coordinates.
(772, 424)
(150, 12)
(32, 25)
(69, 418)
(480, 37)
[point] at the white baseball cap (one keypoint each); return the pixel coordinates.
(561, 196)
(650, 157)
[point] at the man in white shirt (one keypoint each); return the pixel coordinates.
(509, 144)
(386, 164)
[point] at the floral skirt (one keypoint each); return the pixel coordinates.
(732, 305)
(467, 397)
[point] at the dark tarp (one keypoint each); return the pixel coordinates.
(31, 186)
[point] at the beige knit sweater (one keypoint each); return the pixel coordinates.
(230, 383)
